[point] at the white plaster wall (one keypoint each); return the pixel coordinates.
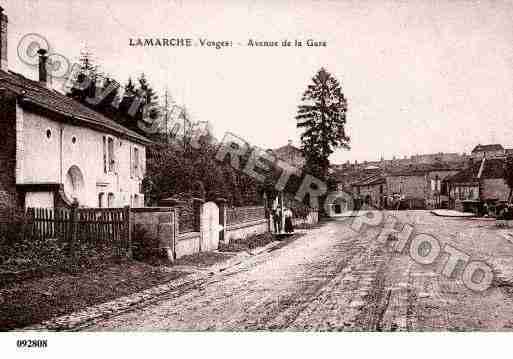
(43, 161)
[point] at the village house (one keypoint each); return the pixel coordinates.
(56, 150)
(290, 154)
(488, 151)
(419, 186)
(372, 190)
(481, 182)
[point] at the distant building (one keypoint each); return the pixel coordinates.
(372, 190)
(482, 181)
(423, 185)
(290, 154)
(443, 157)
(488, 151)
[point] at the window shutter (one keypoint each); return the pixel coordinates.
(104, 154)
(131, 163)
(143, 163)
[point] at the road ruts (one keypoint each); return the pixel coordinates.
(325, 280)
(335, 279)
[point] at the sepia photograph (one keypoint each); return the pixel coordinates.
(260, 167)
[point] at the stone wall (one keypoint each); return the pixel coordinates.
(246, 229)
(159, 226)
(187, 243)
(494, 188)
(162, 234)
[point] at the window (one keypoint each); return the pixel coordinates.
(104, 154)
(136, 201)
(110, 148)
(48, 133)
(110, 200)
(101, 203)
(73, 140)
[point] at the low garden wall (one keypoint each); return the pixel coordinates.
(245, 229)
(153, 231)
(187, 243)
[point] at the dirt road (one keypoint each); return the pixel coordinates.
(334, 278)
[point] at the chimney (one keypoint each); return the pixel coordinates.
(3, 40)
(43, 73)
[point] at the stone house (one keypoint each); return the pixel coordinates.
(290, 154)
(410, 184)
(423, 184)
(482, 181)
(56, 150)
(488, 151)
(372, 190)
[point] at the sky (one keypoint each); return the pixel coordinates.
(419, 76)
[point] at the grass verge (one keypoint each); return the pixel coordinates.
(37, 300)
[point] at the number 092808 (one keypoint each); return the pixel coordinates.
(32, 343)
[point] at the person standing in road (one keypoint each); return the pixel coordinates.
(289, 228)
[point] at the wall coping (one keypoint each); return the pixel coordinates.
(152, 209)
(187, 235)
(235, 226)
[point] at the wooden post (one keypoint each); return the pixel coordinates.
(74, 234)
(128, 231)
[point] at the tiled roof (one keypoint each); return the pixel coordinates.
(423, 168)
(492, 168)
(467, 175)
(36, 94)
(372, 180)
(288, 148)
(493, 147)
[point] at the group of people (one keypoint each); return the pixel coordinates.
(277, 214)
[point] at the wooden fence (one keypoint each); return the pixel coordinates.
(99, 227)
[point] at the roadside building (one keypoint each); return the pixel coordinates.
(488, 151)
(56, 150)
(422, 186)
(437, 193)
(410, 185)
(481, 182)
(371, 190)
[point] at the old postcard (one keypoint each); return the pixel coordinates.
(242, 166)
